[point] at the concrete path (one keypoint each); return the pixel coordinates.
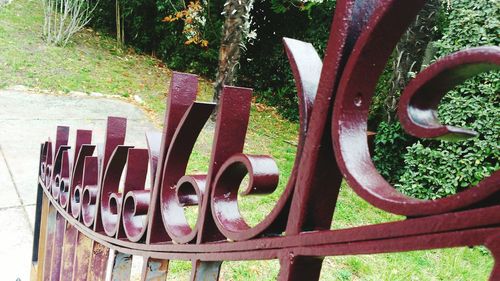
(26, 120)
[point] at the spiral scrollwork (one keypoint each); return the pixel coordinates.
(137, 200)
(417, 112)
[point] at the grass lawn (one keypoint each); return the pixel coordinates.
(92, 63)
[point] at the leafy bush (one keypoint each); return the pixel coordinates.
(388, 161)
(432, 169)
(436, 169)
(145, 31)
(264, 65)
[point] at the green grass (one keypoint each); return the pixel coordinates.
(92, 63)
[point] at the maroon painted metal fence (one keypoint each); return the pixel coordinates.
(82, 214)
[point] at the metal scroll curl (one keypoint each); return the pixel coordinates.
(137, 198)
(417, 110)
(157, 214)
(306, 67)
(86, 182)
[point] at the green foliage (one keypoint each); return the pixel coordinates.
(389, 136)
(264, 65)
(436, 169)
(471, 23)
(145, 31)
(432, 169)
(426, 169)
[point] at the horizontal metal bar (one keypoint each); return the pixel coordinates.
(271, 248)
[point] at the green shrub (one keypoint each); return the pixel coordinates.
(145, 31)
(387, 159)
(430, 168)
(265, 66)
(436, 169)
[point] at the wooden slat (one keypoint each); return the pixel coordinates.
(37, 274)
(98, 263)
(82, 257)
(154, 270)
(38, 221)
(49, 242)
(34, 270)
(37, 230)
(57, 248)
(68, 254)
(122, 267)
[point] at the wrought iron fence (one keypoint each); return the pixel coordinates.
(82, 213)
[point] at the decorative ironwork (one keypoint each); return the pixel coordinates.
(83, 213)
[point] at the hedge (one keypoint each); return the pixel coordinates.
(430, 169)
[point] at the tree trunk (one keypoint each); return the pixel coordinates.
(120, 29)
(232, 39)
(410, 54)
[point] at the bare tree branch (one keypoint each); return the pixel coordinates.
(64, 18)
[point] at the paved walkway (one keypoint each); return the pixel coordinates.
(26, 120)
